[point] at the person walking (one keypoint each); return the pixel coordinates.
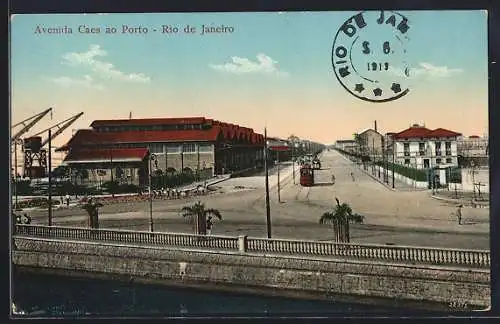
(459, 214)
(67, 200)
(210, 224)
(352, 176)
(333, 178)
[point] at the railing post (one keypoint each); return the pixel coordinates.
(242, 243)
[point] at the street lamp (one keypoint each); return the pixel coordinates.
(393, 162)
(268, 207)
(50, 177)
(150, 193)
(431, 169)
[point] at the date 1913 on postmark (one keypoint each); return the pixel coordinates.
(369, 56)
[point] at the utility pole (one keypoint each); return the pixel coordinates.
(393, 162)
(112, 179)
(268, 208)
(150, 195)
(15, 174)
(50, 177)
(293, 161)
(278, 165)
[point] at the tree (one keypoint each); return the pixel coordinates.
(92, 208)
(197, 215)
(340, 218)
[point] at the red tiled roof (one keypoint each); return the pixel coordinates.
(89, 137)
(106, 154)
(441, 132)
(416, 132)
(146, 136)
(148, 121)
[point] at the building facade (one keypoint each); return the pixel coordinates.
(371, 143)
(346, 145)
(473, 146)
(123, 150)
(422, 148)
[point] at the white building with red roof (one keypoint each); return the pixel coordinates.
(423, 148)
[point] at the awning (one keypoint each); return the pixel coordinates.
(116, 155)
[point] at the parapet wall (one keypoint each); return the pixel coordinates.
(432, 287)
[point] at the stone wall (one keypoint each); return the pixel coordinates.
(429, 287)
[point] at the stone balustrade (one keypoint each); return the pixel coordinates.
(243, 244)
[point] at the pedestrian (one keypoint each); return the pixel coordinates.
(459, 214)
(210, 224)
(352, 176)
(333, 178)
(67, 200)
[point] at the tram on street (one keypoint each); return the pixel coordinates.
(306, 176)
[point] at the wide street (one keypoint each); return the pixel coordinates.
(402, 217)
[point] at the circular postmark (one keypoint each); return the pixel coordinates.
(369, 55)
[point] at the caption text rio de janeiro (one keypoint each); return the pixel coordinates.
(135, 29)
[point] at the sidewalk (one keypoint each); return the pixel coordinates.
(398, 185)
(449, 196)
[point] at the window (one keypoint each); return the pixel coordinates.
(189, 148)
(448, 148)
(407, 161)
(173, 148)
(438, 148)
(421, 149)
(205, 147)
(438, 161)
(156, 148)
(448, 160)
(406, 148)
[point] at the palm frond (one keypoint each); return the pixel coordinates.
(327, 218)
(188, 211)
(213, 212)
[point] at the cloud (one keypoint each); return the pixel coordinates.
(240, 65)
(103, 69)
(87, 81)
(428, 70)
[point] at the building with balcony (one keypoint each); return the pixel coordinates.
(122, 150)
(422, 148)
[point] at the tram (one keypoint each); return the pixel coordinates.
(306, 176)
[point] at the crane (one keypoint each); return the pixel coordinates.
(67, 122)
(34, 119)
(34, 151)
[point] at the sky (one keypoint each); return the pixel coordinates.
(269, 70)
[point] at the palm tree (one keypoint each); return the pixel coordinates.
(340, 218)
(92, 208)
(197, 215)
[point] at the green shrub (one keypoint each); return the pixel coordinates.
(412, 173)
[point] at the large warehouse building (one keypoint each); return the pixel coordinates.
(195, 144)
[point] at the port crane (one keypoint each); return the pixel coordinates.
(31, 122)
(34, 151)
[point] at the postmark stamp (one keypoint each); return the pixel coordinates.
(369, 55)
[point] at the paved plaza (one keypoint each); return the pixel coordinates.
(399, 217)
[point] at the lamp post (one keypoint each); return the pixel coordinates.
(431, 169)
(293, 161)
(50, 177)
(278, 166)
(268, 208)
(15, 174)
(393, 162)
(150, 192)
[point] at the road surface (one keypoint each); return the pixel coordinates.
(391, 217)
